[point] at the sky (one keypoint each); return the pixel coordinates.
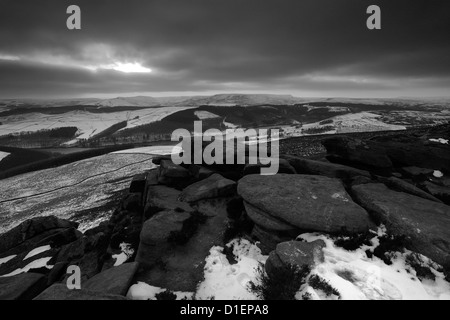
(310, 48)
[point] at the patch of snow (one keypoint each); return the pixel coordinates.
(224, 281)
(144, 291)
(37, 251)
(358, 277)
(438, 174)
(6, 259)
(158, 150)
(202, 114)
(127, 253)
(36, 264)
(440, 140)
(3, 155)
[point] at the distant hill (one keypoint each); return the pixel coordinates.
(126, 102)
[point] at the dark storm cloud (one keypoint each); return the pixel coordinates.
(221, 45)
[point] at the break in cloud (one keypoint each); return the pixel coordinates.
(305, 48)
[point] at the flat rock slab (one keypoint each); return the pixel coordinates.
(283, 167)
(425, 223)
(181, 267)
(403, 186)
(24, 286)
(416, 171)
(212, 187)
(116, 280)
(169, 169)
(331, 170)
(60, 292)
(441, 192)
(265, 220)
(307, 202)
(161, 198)
(295, 253)
(155, 235)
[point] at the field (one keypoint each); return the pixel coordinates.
(85, 191)
(89, 123)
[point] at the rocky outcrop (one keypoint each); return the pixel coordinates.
(173, 175)
(180, 267)
(283, 167)
(416, 172)
(156, 232)
(365, 155)
(161, 198)
(424, 223)
(295, 253)
(24, 286)
(116, 280)
(441, 192)
(401, 185)
(304, 202)
(33, 231)
(332, 170)
(212, 187)
(418, 154)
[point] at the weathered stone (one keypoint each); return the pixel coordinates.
(361, 154)
(169, 169)
(306, 202)
(155, 234)
(161, 198)
(418, 154)
(295, 253)
(328, 169)
(116, 280)
(24, 286)
(417, 172)
(283, 167)
(57, 272)
(424, 223)
(60, 291)
(173, 175)
(183, 266)
(31, 228)
(211, 187)
(360, 180)
(401, 185)
(53, 237)
(267, 221)
(438, 191)
(199, 172)
(87, 252)
(268, 240)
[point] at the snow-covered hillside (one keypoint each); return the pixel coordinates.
(88, 123)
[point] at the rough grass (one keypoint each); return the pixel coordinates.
(422, 271)
(166, 295)
(283, 284)
(321, 284)
(351, 242)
